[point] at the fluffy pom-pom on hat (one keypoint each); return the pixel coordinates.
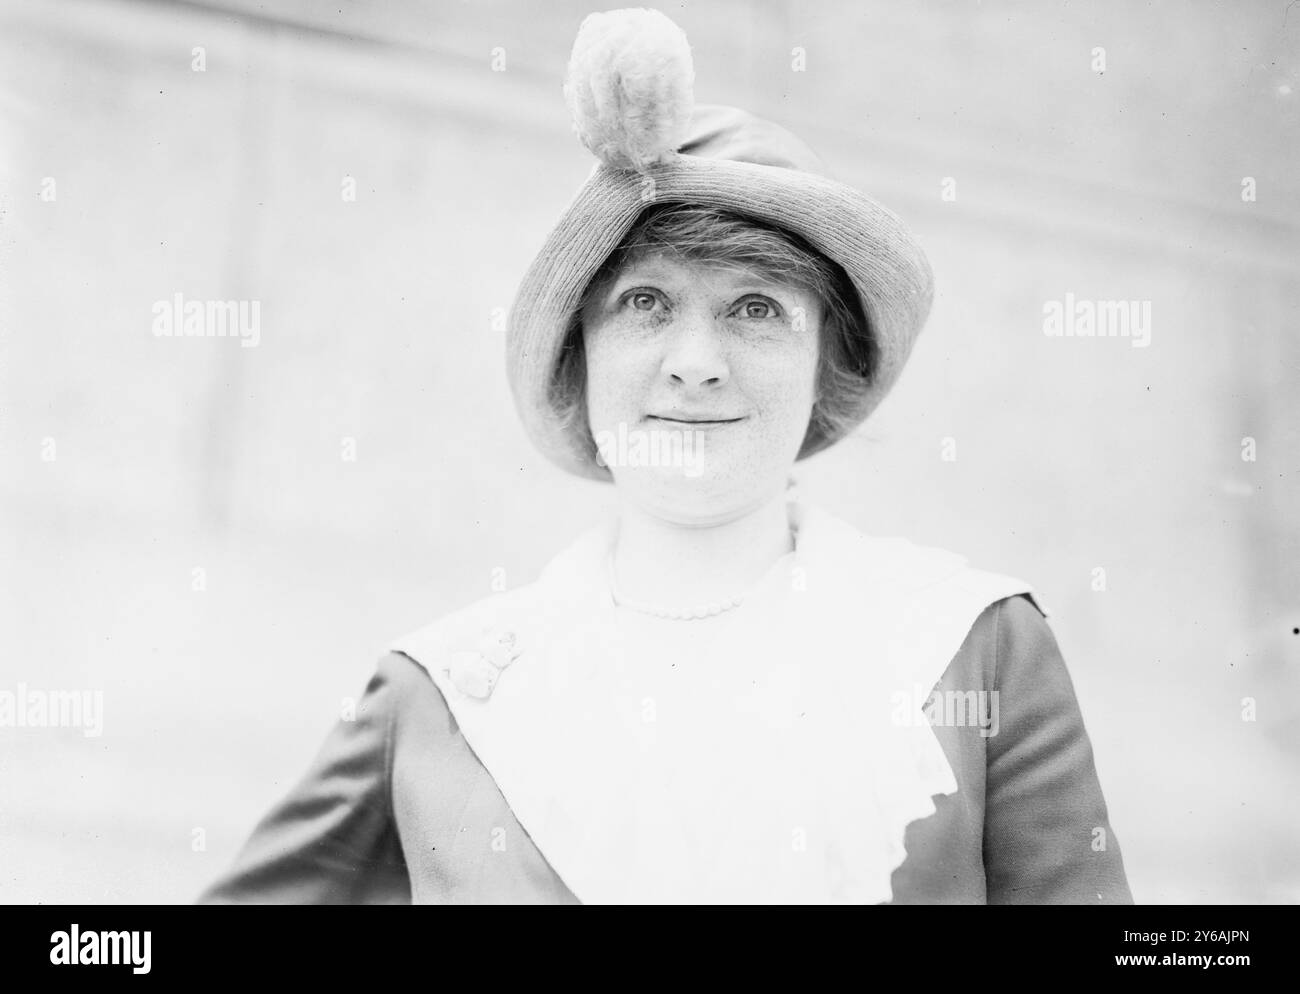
(629, 87)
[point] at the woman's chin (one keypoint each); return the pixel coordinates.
(701, 499)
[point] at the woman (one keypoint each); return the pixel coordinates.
(722, 694)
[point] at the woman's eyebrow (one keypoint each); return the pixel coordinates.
(744, 282)
(755, 284)
(762, 286)
(640, 273)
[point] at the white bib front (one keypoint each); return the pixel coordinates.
(773, 754)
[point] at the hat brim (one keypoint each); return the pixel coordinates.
(875, 249)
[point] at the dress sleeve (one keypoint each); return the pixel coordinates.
(1047, 837)
(333, 839)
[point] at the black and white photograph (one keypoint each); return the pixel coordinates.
(736, 452)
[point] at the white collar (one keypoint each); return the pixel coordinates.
(783, 767)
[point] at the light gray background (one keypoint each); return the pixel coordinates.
(378, 325)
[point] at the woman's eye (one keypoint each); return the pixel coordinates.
(758, 309)
(643, 301)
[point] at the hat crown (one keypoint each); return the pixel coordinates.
(720, 132)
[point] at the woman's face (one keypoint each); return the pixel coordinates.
(700, 385)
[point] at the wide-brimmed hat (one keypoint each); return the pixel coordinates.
(629, 88)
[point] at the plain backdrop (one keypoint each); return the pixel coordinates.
(181, 528)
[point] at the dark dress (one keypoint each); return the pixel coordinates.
(396, 808)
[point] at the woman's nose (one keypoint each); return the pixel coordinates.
(695, 356)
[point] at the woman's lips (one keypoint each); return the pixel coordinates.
(694, 422)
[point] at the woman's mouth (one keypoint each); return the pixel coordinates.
(681, 421)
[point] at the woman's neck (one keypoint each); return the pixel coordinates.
(677, 566)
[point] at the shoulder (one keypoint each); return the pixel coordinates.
(409, 663)
(400, 675)
(463, 628)
(1014, 627)
(1012, 653)
(411, 698)
(1009, 635)
(1016, 613)
(1040, 712)
(1024, 646)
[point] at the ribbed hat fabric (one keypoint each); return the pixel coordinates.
(741, 163)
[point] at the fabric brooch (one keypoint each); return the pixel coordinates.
(474, 672)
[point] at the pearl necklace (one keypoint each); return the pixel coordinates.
(673, 614)
(692, 613)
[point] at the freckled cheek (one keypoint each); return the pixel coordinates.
(781, 380)
(617, 381)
